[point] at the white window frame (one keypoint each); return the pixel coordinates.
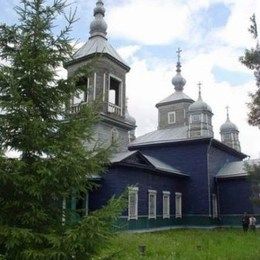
(166, 204)
(152, 194)
(178, 205)
(214, 206)
(200, 117)
(63, 218)
(131, 191)
(170, 122)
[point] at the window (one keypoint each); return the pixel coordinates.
(171, 117)
(81, 95)
(114, 135)
(195, 118)
(114, 91)
(166, 204)
(132, 203)
(226, 137)
(152, 203)
(214, 206)
(178, 205)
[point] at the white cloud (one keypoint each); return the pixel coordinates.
(235, 33)
(149, 21)
(127, 52)
(146, 87)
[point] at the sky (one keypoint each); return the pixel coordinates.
(213, 34)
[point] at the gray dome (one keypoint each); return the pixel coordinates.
(99, 10)
(129, 119)
(178, 81)
(99, 26)
(228, 126)
(199, 104)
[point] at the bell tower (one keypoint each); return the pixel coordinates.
(106, 83)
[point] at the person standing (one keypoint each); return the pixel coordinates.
(252, 223)
(245, 222)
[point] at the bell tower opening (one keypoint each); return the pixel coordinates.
(115, 102)
(114, 91)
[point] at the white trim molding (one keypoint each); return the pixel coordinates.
(166, 204)
(178, 205)
(171, 117)
(133, 203)
(152, 201)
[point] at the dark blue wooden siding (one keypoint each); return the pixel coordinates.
(118, 178)
(217, 158)
(234, 196)
(190, 158)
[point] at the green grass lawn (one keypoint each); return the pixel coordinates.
(185, 244)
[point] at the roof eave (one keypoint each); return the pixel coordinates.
(173, 102)
(86, 57)
(232, 176)
(157, 170)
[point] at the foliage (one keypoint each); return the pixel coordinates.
(251, 59)
(54, 162)
(194, 244)
(253, 171)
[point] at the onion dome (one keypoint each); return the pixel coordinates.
(99, 26)
(178, 81)
(228, 126)
(199, 105)
(131, 120)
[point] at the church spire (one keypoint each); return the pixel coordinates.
(227, 108)
(178, 81)
(199, 85)
(98, 27)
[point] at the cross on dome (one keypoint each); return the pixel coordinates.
(199, 85)
(227, 108)
(178, 81)
(179, 54)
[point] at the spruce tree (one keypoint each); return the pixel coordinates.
(251, 59)
(54, 165)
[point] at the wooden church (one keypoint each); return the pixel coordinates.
(178, 175)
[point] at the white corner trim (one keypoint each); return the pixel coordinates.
(166, 193)
(95, 86)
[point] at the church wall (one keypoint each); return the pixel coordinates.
(180, 109)
(118, 178)
(217, 158)
(104, 135)
(234, 200)
(190, 158)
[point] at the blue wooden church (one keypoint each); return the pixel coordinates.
(178, 175)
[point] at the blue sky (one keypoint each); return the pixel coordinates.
(212, 33)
